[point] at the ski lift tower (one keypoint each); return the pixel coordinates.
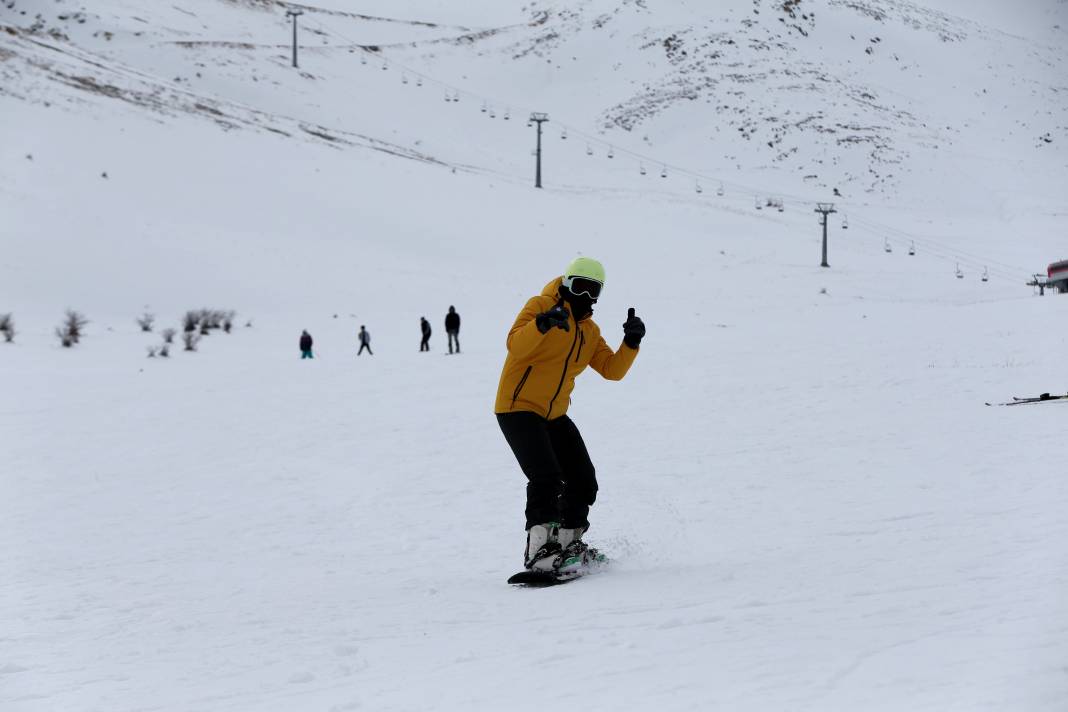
(294, 14)
(538, 118)
(825, 209)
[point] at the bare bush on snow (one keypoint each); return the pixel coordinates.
(70, 331)
(7, 327)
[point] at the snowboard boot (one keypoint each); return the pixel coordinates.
(576, 553)
(543, 550)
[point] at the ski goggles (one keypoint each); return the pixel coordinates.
(583, 285)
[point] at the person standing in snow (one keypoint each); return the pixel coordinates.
(365, 341)
(452, 328)
(305, 345)
(424, 345)
(552, 341)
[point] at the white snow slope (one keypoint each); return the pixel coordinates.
(807, 503)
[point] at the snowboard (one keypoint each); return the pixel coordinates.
(541, 579)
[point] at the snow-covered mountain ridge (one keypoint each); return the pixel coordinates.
(863, 96)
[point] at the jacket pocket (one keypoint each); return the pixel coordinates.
(519, 386)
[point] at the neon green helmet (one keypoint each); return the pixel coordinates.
(585, 267)
(584, 276)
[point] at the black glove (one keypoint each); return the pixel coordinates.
(633, 330)
(557, 316)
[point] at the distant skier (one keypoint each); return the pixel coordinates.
(365, 341)
(452, 328)
(551, 342)
(424, 345)
(305, 345)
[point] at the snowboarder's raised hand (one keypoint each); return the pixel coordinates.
(557, 316)
(633, 330)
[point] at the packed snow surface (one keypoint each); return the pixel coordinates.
(806, 502)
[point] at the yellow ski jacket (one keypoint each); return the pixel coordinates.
(540, 369)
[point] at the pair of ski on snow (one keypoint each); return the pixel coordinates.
(1036, 399)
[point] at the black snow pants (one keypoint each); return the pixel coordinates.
(561, 482)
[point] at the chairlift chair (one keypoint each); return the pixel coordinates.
(663, 172)
(563, 135)
(641, 168)
(719, 192)
(986, 275)
(611, 153)
(699, 188)
(845, 223)
(960, 275)
(759, 203)
(404, 79)
(912, 248)
(886, 246)
(589, 150)
(419, 81)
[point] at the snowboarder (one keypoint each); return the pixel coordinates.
(365, 341)
(305, 345)
(424, 345)
(452, 328)
(551, 342)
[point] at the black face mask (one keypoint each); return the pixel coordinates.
(581, 305)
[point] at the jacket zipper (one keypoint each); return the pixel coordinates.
(519, 387)
(582, 342)
(563, 375)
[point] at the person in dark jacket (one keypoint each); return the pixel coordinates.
(424, 345)
(305, 345)
(452, 328)
(365, 341)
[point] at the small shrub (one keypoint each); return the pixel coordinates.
(168, 335)
(7, 327)
(74, 322)
(219, 318)
(70, 331)
(64, 338)
(151, 351)
(145, 321)
(191, 339)
(190, 321)
(228, 321)
(165, 350)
